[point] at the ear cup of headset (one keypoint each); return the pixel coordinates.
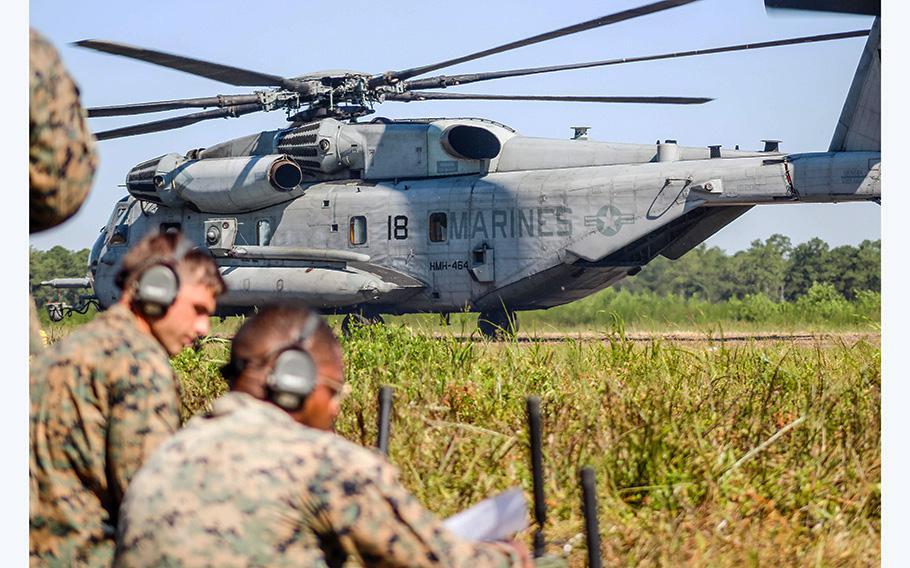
(292, 379)
(156, 289)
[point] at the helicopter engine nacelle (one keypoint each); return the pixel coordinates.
(149, 181)
(222, 185)
(327, 146)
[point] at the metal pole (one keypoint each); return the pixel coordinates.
(540, 505)
(382, 421)
(589, 506)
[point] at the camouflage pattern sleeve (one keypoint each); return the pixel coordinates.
(102, 400)
(61, 156)
(143, 414)
(35, 342)
(382, 524)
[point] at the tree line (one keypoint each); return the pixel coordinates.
(57, 262)
(774, 268)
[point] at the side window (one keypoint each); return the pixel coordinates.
(358, 234)
(169, 227)
(439, 222)
(263, 232)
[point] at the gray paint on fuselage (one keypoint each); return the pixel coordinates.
(534, 221)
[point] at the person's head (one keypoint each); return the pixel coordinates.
(289, 356)
(62, 153)
(171, 287)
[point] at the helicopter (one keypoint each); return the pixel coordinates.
(443, 215)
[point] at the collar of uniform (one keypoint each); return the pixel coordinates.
(121, 315)
(236, 401)
(120, 312)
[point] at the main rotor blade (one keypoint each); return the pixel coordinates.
(393, 76)
(178, 122)
(425, 96)
(159, 106)
(867, 7)
(442, 81)
(207, 69)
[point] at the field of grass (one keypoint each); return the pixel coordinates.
(706, 454)
(821, 309)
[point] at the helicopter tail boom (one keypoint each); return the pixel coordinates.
(818, 177)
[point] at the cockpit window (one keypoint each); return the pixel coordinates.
(119, 236)
(118, 231)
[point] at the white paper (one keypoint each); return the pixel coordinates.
(496, 518)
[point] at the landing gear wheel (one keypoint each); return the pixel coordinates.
(358, 319)
(55, 311)
(498, 325)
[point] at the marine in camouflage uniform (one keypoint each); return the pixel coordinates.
(247, 486)
(105, 397)
(61, 155)
(101, 401)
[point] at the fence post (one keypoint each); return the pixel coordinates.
(383, 418)
(540, 505)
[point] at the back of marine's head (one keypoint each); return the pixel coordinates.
(287, 355)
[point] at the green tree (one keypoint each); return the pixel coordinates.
(808, 264)
(762, 268)
(856, 268)
(700, 273)
(57, 262)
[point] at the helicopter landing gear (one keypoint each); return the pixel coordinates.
(359, 319)
(499, 324)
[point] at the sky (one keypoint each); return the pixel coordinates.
(792, 93)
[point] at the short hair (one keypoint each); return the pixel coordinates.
(196, 265)
(279, 321)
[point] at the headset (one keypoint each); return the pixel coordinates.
(158, 284)
(293, 376)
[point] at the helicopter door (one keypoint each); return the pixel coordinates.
(482, 253)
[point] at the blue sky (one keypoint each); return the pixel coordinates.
(791, 93)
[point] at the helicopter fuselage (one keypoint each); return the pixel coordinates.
(515, 233)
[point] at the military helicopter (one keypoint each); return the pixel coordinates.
(442, 215)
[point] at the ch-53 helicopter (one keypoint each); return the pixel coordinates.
(442, 215)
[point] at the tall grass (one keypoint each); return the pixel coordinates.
(752, 455)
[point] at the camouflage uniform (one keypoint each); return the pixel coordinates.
(248, 486)
(35, 341)
(101, 401)
(61, 154)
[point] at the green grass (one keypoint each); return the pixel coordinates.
(822, 309)
(758, 454)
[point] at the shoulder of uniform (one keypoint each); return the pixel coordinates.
(356, 460)
(40, 46)
(104, 340)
